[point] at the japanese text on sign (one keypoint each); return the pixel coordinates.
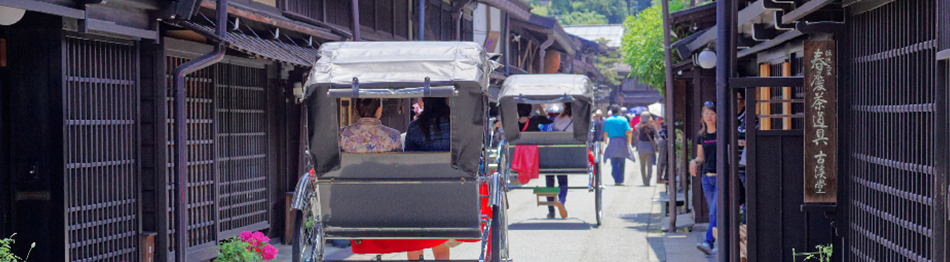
(820, 122)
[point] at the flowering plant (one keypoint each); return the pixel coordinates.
(247, 247)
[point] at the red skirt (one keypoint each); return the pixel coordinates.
(381, 246)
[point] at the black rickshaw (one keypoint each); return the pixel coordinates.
(409, 195)
(559, 153)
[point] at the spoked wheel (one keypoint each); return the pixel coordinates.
(499, 233)
(598, 195)
(308, 242)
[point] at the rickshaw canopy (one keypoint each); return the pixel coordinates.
(399, 70)
(400, 65)
(545, 85)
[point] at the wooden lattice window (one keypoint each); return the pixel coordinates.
(101, 114)
(227, 153)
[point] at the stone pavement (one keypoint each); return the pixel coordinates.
(631, 230)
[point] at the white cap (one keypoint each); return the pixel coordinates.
(598, 112)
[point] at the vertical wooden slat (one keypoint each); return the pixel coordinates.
(101, 133)
(765, 93)
(786, 94)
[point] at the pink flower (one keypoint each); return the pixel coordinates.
(269, 253)
(257, 238)
(245, 235)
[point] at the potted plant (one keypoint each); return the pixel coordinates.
(6, 250)
(822, 255)
(247, 247)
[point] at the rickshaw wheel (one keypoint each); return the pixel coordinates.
(499, 233)
(308, 241)
(598, 195)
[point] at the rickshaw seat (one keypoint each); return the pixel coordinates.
(357, 205)
(400, 166)
(558, 152)
(547, 138)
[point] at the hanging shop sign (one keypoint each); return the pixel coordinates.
(821, 122)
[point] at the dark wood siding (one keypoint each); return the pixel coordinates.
(309, 9)
(402, 17)
(384, 16)
(342, 14)
(368, 13)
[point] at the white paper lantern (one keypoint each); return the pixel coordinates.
(707, 59)
(10, 15)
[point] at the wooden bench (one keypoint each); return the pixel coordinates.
(550, 192)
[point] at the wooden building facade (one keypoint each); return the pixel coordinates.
(87, 166)
(892, 92)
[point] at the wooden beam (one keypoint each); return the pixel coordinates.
(44, 7)
(805, 9)
(112, 27)
(280, 23)
(763, 32)
(779, 24)
(788, 35)
(820, 27)
(766, 81)
(745, 42)
(778, 5)
(943, 55)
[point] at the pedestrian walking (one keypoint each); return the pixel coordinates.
(619, 134)
(705, 165)
(646, 145)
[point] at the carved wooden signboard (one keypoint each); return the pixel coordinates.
(821, 122)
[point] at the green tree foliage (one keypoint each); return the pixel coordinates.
(606, 63)
(582, 18)
(642, 45)
(541, 10)
(583, 12)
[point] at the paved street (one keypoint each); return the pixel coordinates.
(631, 229)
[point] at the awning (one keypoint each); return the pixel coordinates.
(519, 9)
(254, 45)
(550, 27)
(587, 45)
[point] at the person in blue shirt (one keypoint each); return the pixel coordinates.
(618, 133)
(430, 132)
